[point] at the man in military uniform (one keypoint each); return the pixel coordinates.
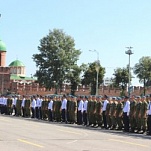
(113, 113)
(98, 112)
(138, 114)
(132, 114)
(144, 108)
(50, 108)
(108, 113)
(119, 113)
(58, 108)
(85, 111)
(73, 110)
(149, 116)
(92, 111)
(88, 110)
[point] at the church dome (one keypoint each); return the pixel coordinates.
(16, 63)
(2, 46)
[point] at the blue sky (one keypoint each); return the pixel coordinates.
(108, 26)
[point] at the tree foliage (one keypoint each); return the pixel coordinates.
(89, 76)
(57, 56)
(121, 78)
(142, 70)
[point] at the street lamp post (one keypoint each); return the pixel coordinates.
(129, 52)
(97, 69)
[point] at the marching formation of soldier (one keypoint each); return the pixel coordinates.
(115, 113)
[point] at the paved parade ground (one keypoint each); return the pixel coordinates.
(25, 134)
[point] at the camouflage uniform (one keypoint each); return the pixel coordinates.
(108, 114)
(132, 114)
(88, 110)
(113, 113)
(92, 112)
(138, 115)
(144, 108)
(98, 112)
(119, 113)
(73, 110)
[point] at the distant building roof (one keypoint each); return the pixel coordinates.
(2, 46)
(15, 77)
(16, 63)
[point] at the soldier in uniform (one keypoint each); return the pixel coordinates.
(138, 114)
(149, 116)
(132, 114)
(9, 106)
(93, 111)
(58, 108)
(144, 108)
(14, 101)
(113, 113)
(108, 113)
(50, 108)
(18, 107)
(27, 106)
(119, 113)
(88, 110)
(85, 112)
(69, 109)
(33, 105)
(73, 110)
(98, 112)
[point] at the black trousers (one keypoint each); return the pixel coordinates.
(40, 113)
(85, 118)
(50, 115)
(23, 111)
(33, 112)
(126, 122)
(80, 121)
(104, 119)
(149, 122)
(64, 116)
(15, 110)
(37, 112)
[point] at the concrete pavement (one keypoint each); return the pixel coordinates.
(25, 134)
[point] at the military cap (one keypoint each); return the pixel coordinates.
(105, 96)
(126, 97)
(81, 97)
(86, 97)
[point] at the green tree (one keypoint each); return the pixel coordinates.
(74, 77)
(142, 70)
(89, 76)
(121, 79)
(57, 55)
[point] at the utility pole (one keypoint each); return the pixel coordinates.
(97, 70)
(129, 52)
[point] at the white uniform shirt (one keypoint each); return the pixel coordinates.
(126, 108)
(14, 100)
(105, 105)
(38, 102)
(64, 104)
(33, 103)
(23, 103)
(80, 107)
(50, 105)
(149, 108)
(85, 105)
(5, 101)
(1, 101)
